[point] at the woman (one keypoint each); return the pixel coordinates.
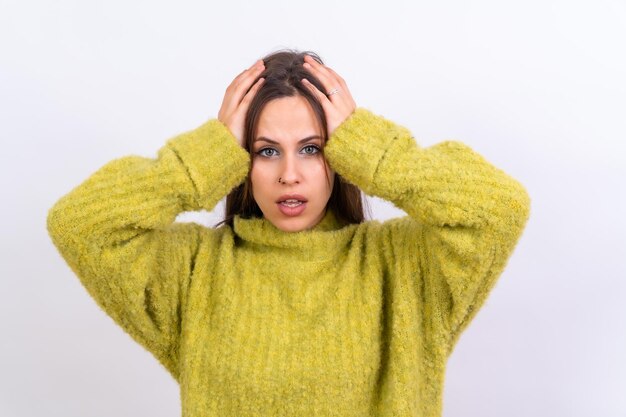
(295, 306)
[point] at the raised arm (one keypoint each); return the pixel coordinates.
(465, 215)
(116, 230)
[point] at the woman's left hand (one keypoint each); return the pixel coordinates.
(337, 101)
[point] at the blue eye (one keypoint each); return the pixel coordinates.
(312, 150)
(265, 149)
(315, 148)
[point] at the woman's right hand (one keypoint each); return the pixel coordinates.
(236, 101)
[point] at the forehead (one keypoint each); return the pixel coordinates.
(287, 119)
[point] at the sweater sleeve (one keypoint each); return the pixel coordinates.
(116, 231)
(465, 216)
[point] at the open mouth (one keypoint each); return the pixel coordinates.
(292, 207)
(291, 203)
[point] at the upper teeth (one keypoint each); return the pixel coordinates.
(291, 201)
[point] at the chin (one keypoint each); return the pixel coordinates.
(293, 224)
(290, 225)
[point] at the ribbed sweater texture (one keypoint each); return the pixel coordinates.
(338, 320)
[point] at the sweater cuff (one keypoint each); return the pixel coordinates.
(358, 145)
(214, 161)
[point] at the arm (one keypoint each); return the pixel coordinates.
(465, 215)
(116, 231)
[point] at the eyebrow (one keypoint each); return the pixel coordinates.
(263, 138)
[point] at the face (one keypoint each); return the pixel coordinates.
(287, 145)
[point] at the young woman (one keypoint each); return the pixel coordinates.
(295, 305)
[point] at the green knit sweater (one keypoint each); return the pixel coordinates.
(340, 320)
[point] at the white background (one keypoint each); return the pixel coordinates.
(537, 87)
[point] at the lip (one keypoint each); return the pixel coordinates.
(291, 196)
(291, 211)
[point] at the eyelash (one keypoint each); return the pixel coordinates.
(259, 152)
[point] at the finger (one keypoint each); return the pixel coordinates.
(248, 75)
(237, 89)
(250, 94)
(341, 81)
(312, 63)
(320, 96)
(335, 80)
(328, 83)
(344, 91)
(241, 75)
(342, 86)
(255, 63)
(321, 72)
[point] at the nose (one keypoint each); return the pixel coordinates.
(289, 171)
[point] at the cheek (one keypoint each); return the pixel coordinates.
(317, 168)
(263, 178)
(261, 170)
(259, 173)
(321, 172)
(258, 180)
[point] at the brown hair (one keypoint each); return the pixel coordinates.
(283, 74)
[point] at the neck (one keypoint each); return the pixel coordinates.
(326, 239)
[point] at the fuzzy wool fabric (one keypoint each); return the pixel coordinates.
(338, 320)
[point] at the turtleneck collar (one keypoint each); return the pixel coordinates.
(326, 239)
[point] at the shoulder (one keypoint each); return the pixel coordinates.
(403, 227)
(200, 235)
(394, 238)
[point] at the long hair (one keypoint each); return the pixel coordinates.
(283, 74)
